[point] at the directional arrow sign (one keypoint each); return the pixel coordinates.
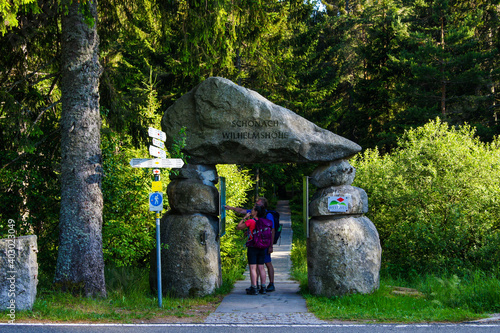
(157, 134)
(172, 163)
(157, 152)
(158, 143)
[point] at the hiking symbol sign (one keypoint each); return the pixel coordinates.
(156, 202)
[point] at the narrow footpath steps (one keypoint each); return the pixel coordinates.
(283, 306)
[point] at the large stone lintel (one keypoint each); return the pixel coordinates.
(228, 124)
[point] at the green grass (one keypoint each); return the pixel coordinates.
(386, 306)
(477, 291)
(57, 306)
(129, 300)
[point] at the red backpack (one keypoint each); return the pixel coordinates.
(262, 234)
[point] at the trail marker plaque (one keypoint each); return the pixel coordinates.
(174, 163)
(157, 134)
(338, 204)
(157, 152)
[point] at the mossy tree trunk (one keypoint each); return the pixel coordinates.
(80, 264)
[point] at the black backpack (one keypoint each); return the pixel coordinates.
(277, 225)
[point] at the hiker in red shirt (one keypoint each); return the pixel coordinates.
(255, 255)
(261, 201)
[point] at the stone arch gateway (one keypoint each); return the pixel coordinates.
(228, 124)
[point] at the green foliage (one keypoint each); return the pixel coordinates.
(130, 282)
(476, 291)
(29, 195)
(9, 10)
(149, 110)
(423, 298)
(179, 144)
(299, 262)
(280, 181)
(365, 70)
(232, 248)
(435, 200)
(385, 306)
(128, 228)
(448, 59)
(368, 70)
(185, 42)
(29, 116)
(298, 253)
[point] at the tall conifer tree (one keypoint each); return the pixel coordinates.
(80, 263)
(449, 69)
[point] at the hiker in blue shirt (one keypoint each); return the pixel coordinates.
(261, 201)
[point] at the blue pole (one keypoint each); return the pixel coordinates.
(158, 249)
(158, 258)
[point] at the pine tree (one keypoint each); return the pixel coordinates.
(449, 70)
(29, 121)
(80, 263)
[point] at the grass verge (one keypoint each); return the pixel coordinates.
(129, 301)
(426, 298)
(388, 304)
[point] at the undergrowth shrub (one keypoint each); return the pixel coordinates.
(232, 245)
(128, 226)
(435, 200)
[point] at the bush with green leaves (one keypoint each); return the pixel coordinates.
(435, 200)
(129, 227)
(232, 249)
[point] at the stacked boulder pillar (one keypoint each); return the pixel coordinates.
(189, 232)
(343, 248)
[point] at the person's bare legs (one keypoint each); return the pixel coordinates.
(262, 274)
(270, 270)
(253, 275)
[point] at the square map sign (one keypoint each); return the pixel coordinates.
(338, 204)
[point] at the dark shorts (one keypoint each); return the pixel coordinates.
(256, 256)
(268, 257)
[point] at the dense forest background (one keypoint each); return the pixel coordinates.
(366, 70)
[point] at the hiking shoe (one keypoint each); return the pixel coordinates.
(262, 290)
(270, 287)
(252, 291)
(248, 289)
